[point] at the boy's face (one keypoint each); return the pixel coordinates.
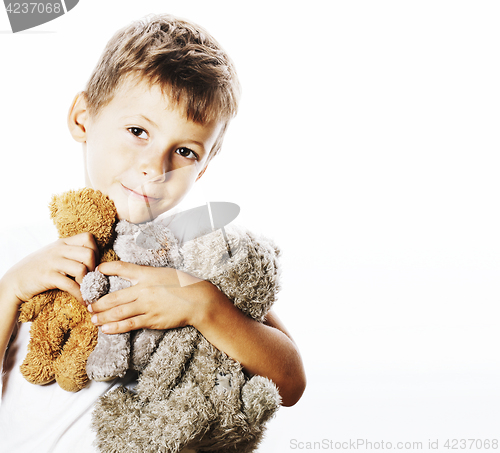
(140, 150)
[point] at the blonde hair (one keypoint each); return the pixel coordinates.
(182, 58)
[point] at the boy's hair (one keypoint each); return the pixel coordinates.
(181, 57)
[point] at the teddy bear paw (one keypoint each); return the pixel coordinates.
(94, 286)
(261, 399)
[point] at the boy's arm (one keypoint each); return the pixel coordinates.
(264, 349)
(61, 264)
(8, 307)
(157, 301)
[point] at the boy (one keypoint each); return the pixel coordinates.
(153, 115)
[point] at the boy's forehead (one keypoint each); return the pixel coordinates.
(138, 94)
(137, 98)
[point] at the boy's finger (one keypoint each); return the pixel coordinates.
(115, 299)
(83, 255)
(72, 268)
(117, 314)
(128, 271)
(66, 284)
(127, 325)
(82, 240)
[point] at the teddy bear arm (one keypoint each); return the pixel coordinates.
(30, 309)
(233, 427)
(168, 363)
(143, 346)
(242, 408)
(183, 415)
(243, 432)
(110, 358)
(261, 399)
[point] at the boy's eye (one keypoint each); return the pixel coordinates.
(186, 152)
(138, 132)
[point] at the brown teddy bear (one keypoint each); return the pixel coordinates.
(62, 335)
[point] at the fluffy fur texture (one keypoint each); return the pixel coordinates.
(62, 335)
(149, 244)
(191, 395)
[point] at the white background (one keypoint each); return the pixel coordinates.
(367, 145)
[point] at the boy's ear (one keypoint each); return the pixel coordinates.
(78, 117)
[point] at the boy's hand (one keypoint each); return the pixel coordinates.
(62, 265)
(156, 299)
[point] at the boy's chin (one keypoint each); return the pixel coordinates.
(140, 212)
(137, 216)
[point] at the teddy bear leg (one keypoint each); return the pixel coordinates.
(114, 420)
(185, 417)
(110, 358)
(144, 344)
(47, 335)
(69, 367)
(124, 422)
(168, 363)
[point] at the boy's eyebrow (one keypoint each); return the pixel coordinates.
(141, 116)
(201, 145)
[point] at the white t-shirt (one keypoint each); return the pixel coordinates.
(44, 418)
(35, 418)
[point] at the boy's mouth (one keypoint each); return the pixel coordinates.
(140, 195)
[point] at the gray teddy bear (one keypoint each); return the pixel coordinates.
(191, 395)
(149, 244)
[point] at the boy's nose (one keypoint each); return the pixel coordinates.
(154, 167)
(156, 178)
